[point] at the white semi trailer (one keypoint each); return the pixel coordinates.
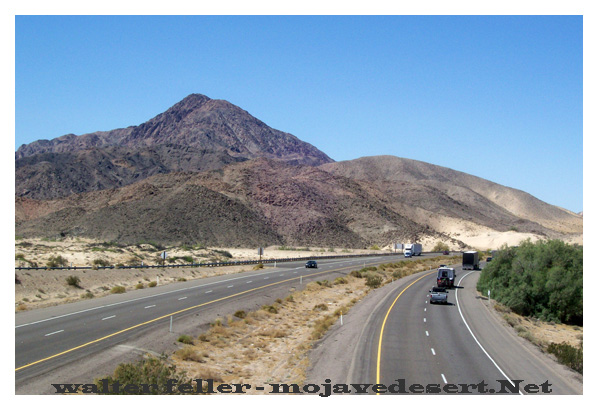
(411, 250)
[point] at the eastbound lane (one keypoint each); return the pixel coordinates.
(409, 342)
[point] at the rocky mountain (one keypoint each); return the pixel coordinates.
(196, 134)
(206, 171)
(252, 203)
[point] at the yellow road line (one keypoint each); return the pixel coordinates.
(378, 357)
(174, 313)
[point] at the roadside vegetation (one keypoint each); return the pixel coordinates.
(272, 342)
(539, 285)
(542, 279)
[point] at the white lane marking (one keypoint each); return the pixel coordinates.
(425, 310)
(426, 333)
(249, 282)
(444, 379)
(150, 306)
(433, 351)
(229, 286)
(350, 261)
(209, 291)
(108, 318)
(472, 334)
(281, 275)
(266, 278)
(182, 298)
(55, 332)
(425, 320)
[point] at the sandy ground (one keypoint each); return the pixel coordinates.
(41, 288)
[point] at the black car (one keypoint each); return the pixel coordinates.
(489, 259)
(445, 252)
(311, 264)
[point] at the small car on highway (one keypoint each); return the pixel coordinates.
(311, 264)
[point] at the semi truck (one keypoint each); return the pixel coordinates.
(411, 250)
(470, 260)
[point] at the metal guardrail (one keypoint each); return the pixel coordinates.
(212, 264)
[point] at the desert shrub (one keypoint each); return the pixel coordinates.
(270, 308)
(88, 295)
(324, 283)
(57, 261)
(258, 266)
(117, 289)
(73, 281)
(542, 279)
(567, 355)
(139, 286)
(356, 274)
(320, 307)
(101, 262)
(374, 280)
(185, 339)
(340, 280)
(240, 314)
(154, 373)
(189, 353)
(224, 253)
(152, 284)
(440, 247)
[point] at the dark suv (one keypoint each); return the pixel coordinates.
(311, 264)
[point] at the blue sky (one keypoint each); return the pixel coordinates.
(499, 97)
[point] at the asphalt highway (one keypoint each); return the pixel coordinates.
(47, 338)
(417, 347)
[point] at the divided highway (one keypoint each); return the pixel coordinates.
(46, 338)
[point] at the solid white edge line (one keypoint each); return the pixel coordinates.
(472, 334)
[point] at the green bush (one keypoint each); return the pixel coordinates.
(139, 286)
(185, 339)
(153, 373)
(152, 284)
(118, 289)
(567, 355)
(440, 247)
(101, 262)
(374, 280)
(240, 314)
(57, 261)
(73, 281)
(542, 279)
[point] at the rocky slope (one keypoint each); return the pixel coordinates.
(196, 134)
(257, 202)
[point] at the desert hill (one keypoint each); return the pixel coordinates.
(417, 186)
(257, 202)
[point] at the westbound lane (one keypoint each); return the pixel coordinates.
(43, 337)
